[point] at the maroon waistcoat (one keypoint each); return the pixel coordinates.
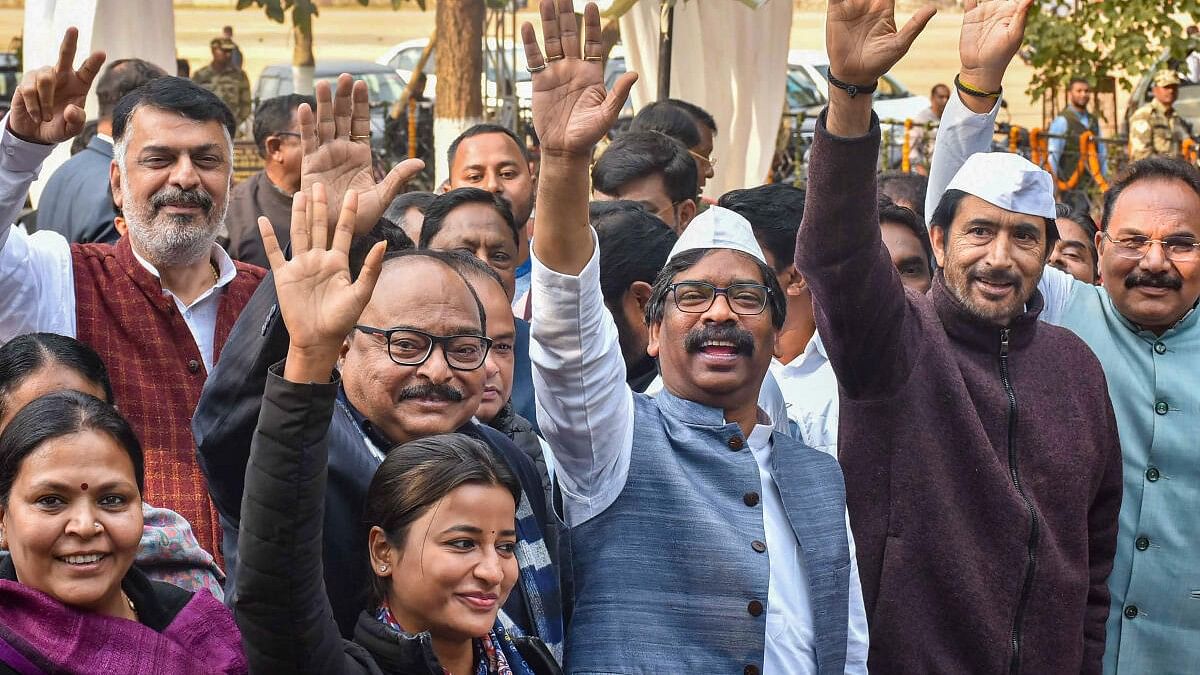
(156, 369)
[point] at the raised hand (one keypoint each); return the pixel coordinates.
(337, 152)
(992, 31)
(863, 41)
(571, 109)
(319, 302)
(47, 107)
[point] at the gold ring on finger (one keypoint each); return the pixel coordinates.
(536, 69)
(554, 58)
(593, 58)
(360, 137)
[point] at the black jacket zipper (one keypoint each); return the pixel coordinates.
(1015, 665)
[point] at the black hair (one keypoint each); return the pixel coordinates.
(682, 262)
(120, 78)
(26, 354)
(442, 205)
(905, 187)
(1084, 220)
(700, 115)
(947, 211)
(937, 86)
(1078, 80)
(417, 475)
(668, 119)
(1163, 168)
(61, 414)
(275, 115)
(395, 238)
(637, 154)
(479, 130)
(891, 212)
(634, 245)
(176, 95)
(450, 259)
(774, 212)
(398, 209)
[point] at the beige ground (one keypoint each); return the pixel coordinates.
(366, 33)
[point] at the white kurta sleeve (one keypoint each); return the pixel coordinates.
(584, 406)
(1057, 287)
(37, 288)
(858, 641)
(961, 134)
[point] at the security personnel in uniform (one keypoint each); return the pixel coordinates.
(1155, 128)
(226, 80)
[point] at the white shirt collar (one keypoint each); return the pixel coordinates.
(105, 137)
(226, 271)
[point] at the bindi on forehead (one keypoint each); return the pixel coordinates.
(83, 487)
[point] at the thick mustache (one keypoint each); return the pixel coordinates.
(997, 277)
(1157, 280)
(436, 391)
(743, 341)
(173, 196)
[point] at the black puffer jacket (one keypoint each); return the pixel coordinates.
(282, 607)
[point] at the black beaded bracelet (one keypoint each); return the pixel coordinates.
(852, 89)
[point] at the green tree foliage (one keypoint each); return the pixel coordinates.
(302, 11)
(1104, 38)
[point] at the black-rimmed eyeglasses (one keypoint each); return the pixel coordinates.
(408, 347)
(696, 297)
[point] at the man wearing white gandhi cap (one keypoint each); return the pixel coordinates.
(703, 540)
(979, 446)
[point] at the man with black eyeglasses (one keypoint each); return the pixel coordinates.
(269, 191)
(702, 540)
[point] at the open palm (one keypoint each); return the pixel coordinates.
(337, 152)
(991, 33)
(319, 301)
(572, 110)
(863, 40)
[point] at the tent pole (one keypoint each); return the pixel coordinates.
(667, 30)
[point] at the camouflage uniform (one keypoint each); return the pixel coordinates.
(230, 85)
(1154, 130)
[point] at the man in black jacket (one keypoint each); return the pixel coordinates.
(382, 404)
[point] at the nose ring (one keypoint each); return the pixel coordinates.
(98, 526)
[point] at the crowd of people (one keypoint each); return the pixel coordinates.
(566, 417)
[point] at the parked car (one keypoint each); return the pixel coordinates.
(893, 101)
(384, 86)
(10, 77)
(403, 59)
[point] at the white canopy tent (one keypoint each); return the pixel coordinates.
(730, 58)
(123, 29)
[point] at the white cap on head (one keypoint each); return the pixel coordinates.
(719, 228)
(1008, 181)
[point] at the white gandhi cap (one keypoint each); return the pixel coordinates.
(719, 228)
(1008, 181)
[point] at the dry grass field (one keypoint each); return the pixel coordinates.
(364, 33)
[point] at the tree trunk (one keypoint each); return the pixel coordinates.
(302, 52)
(459, 98)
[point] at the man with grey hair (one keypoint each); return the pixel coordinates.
(157, 305)
(77, 202)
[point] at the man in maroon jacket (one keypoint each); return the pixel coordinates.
(982, 463)
(157, 305)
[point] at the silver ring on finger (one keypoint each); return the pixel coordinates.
(536, 69)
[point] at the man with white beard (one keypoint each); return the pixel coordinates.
(158, 304)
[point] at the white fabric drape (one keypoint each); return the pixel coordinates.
(730, 60)
(123, 29)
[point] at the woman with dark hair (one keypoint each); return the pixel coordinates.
(71, 477)
(441, 510)
(37, 364)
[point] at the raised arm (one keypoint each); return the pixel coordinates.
(584, 408)
(281, 604)
(858, 299)
(35, 272)
(991, 35)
